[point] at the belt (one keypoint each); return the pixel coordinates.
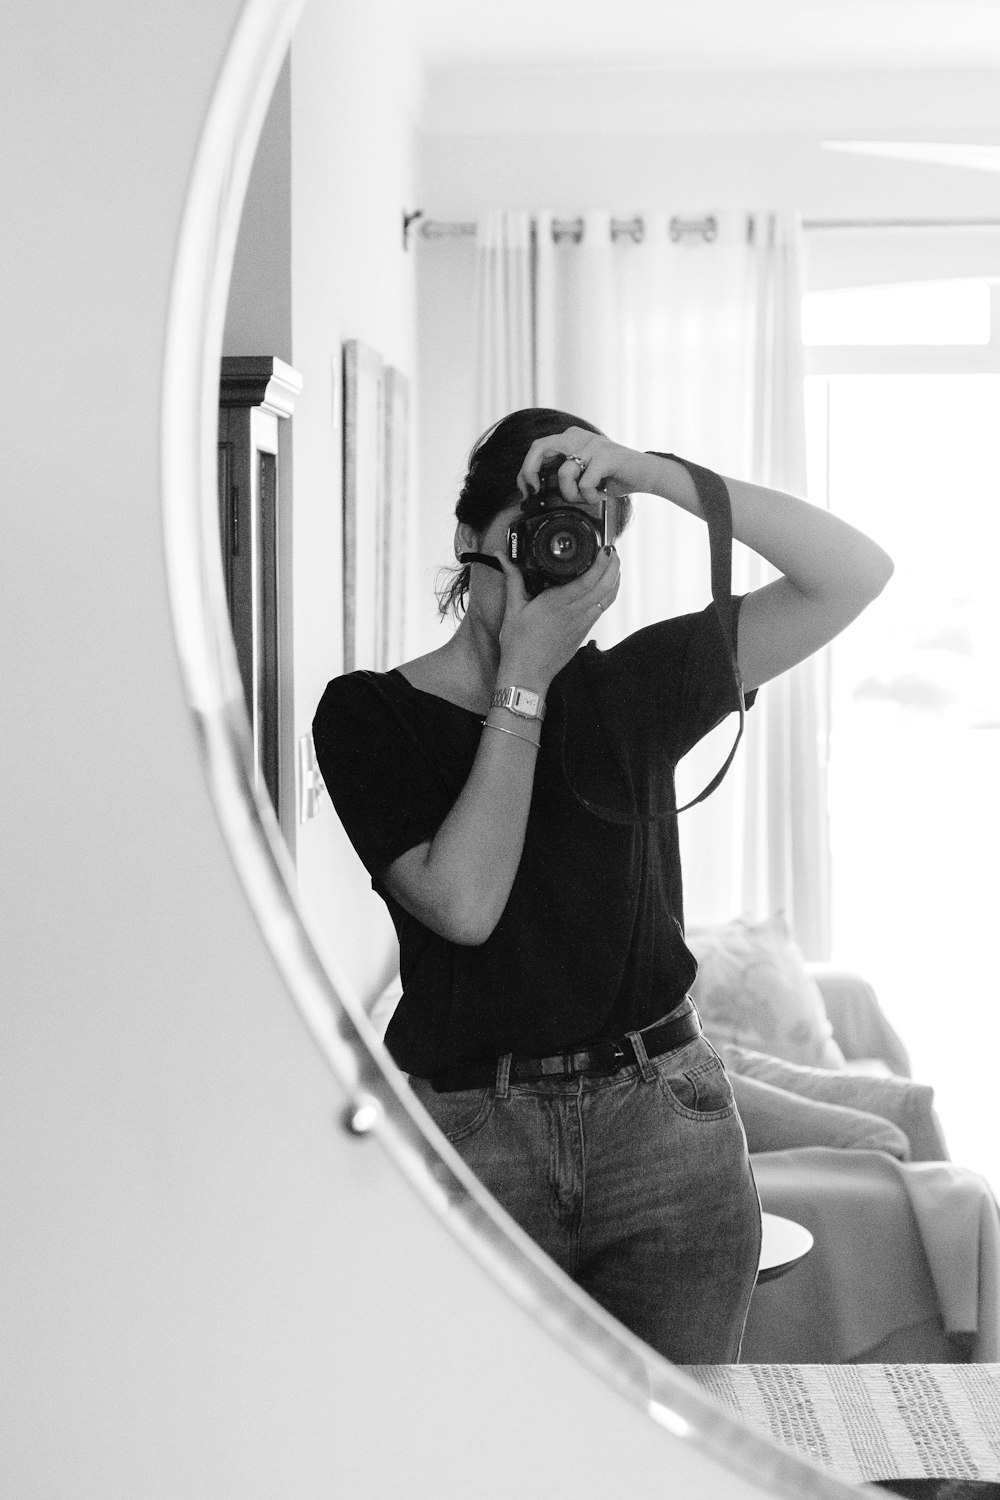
(600, 1059)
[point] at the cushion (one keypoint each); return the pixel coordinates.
(908, 1105)
(776, 1120)
(753, 990)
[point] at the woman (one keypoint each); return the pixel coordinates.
(512, 796)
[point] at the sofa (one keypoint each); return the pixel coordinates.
(905, 1265)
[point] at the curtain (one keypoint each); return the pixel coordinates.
(685, 342)
(505, 374)
(787, 863)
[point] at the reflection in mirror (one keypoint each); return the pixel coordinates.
(819, 1048)
(256, 394)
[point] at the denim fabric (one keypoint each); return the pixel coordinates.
(638, 1186)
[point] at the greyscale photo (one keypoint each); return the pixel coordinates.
(502, 750)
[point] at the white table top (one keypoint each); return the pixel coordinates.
(784, 1243)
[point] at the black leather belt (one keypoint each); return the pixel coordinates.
(601, 1059)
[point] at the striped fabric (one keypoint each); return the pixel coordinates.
(870, 1422)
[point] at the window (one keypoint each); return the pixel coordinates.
(904, 441)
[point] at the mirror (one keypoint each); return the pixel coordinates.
(327, 984)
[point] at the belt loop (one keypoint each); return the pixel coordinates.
(503, 1076)
(641, 1057)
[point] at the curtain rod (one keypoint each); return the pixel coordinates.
(569, 229)
(707, 227)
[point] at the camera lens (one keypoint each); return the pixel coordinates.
(564, 546)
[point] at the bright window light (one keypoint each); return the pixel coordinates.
(914, 796)
(912, 312)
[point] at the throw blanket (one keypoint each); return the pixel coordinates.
(960, 1228)
(868, 1422)
(905, 1266)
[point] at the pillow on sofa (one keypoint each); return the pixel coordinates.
(908, 1105)
(776, 1120)
(753, 990)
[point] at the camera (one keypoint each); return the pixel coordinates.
(553, 542)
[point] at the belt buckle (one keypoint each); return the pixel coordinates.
(611, 1058)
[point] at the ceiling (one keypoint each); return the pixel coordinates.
(711, 34)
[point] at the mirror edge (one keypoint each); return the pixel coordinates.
(325, 1001)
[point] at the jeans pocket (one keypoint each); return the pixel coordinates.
(457, 1114)
(695, 1082)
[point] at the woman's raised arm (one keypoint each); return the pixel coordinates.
(830, 570)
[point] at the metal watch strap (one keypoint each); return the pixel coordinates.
(520, 701)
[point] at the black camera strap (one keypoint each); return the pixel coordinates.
(481, 557)
(715, 502)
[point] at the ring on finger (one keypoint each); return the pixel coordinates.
(581, 461)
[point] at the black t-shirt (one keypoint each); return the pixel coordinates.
(590, 943)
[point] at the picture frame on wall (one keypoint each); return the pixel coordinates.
(376, 484)
(363, 491)
(392, 537)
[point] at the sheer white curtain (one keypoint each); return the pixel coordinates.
(686, 344)
(787, 847)
(505, 373)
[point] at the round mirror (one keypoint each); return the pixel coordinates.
(324, 989)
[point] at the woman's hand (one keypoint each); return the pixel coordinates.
(539, 636)
(605, 468)
(458, 883)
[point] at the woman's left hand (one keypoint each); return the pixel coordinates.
(593, 467)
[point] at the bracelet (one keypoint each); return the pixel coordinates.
(512, 732)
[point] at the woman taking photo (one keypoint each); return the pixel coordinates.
(512, 796)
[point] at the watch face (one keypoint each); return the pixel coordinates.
(519, 701)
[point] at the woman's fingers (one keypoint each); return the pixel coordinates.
(574, 441)
(590, 481)
(607, 584)
(589, 467)
(595, 589)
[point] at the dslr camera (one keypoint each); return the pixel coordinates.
(553, 542)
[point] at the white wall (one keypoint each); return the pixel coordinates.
(354, 106)
(320, 259)
(207, 1289)
(259, 312)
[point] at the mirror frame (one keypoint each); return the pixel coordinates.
(379, 1100)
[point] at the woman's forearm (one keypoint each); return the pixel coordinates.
(828, 570)
(821, 555)
(471, 862)
(458, 883)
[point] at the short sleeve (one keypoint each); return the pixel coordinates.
(678, 676)
(381, 780)
(708, 685)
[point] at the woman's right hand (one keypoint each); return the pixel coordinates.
(458, 883)
(539, 636)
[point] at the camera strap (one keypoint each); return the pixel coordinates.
(715, 503)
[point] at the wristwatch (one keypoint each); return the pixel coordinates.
(520, 701)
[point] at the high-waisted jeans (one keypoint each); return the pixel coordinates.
(638, 1185)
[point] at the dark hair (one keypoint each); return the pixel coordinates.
(491, 482)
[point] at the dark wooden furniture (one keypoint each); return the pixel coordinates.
(256, 397)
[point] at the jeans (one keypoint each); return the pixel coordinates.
(637, 1185)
